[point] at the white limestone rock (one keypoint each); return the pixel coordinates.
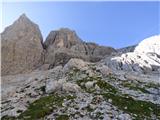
(144, 59)
(71, 87)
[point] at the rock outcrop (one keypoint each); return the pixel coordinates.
(64, 44)
(22, 48)
(144, 59)
(87, 94)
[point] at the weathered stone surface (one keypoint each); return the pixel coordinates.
(22, 48)
(144, 59)
(64, 44)
(61, 85)
(84, 95)
(71, 87)
(62, 38)
(53, 86)
(90, 84)
(75, 63)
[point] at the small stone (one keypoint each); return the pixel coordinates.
(90, 84)
(110, 100)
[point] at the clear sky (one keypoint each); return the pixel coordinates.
(116, 24)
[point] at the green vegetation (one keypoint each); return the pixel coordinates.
(43, 106)
(111, 77)
(43, 89)
(137, 108)
(133, 86)
(8, 118)
(106, 86)
(99, 81)
(99, 115)
(62, 117)
(152, 85)
(73, 74)
(89, 109)
(142, 109)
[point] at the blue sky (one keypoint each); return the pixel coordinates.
(116, 24)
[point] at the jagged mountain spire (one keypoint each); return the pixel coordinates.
(21, 46)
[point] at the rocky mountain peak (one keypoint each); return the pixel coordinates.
(21, 47)
(23, 26)
(63, 37)
(23, 17)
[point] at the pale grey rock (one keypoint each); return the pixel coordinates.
(105, 70)
(144, 59)
(75, 63)
(124, 117)
(71, 87)
(90, 84)
(53, 86)
(61, 85)
(126, 49)
(110, 100)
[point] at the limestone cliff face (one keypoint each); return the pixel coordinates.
(64, 44)
(58, 45)
(21, 47)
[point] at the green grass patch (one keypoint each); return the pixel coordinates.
(152, 85)
(43, 106)
(142, 109)
(133, 86)
(106, 86)
(6, 117)
(62, 117)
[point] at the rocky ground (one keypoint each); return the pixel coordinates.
(75, 92)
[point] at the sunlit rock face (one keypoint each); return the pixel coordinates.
(64, 44)
(144, 59)
(22, 48)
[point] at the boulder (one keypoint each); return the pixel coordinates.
(90, 84)
(71, 87)
(75, 63)
(54, 86)
(60, 85)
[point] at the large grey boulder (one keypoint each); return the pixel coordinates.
(22, 49)
(75, 63)
(61, 85)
